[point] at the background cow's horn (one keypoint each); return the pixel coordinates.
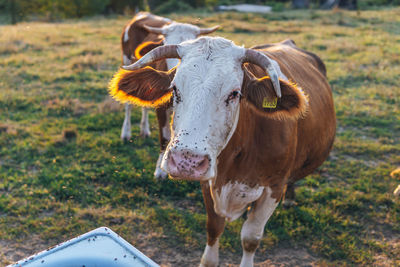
(167, 20)
(153, 29)
(208, 30)
(158, 53)
(262, 60)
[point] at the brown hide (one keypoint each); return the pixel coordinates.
(269, 152)
(138, 35)
(261, 96)
(311, 57)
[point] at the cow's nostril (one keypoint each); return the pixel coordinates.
(203, 164)
(171, 160)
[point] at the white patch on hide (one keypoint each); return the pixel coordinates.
(126, 35)
(204, 121)
(126, 60)
(142, 15)
(176, 33)
(233, 199)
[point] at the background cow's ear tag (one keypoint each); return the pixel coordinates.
(269, 103)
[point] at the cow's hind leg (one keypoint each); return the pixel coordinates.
(290, 196)
(215, 227)
(126, 126)
(144, 123)
(126, 131)
(253, 227)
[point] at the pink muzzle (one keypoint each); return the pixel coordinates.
(185, 164)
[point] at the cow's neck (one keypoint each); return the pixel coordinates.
(256, 157)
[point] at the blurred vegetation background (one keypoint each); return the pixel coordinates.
(14, 11)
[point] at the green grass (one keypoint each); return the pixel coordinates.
(53, 80)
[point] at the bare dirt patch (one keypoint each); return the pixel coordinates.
(12, 251)
(383, 259)
(289, 257)
(158, 250)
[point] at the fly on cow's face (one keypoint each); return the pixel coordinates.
(176, 95)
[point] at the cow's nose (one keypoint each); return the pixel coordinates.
(186, 164)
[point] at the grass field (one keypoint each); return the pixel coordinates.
(64, 170)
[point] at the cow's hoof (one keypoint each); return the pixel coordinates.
(159, 174)
(208, 265)
(209, 260)
(145, 134)
(288, 203)
(125, 138)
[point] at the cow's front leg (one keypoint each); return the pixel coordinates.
(215, 227)
(126, 126)
(163, 117)
(253, 227)
(159, 173)
(144, 123)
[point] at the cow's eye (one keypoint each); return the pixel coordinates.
(233, 95)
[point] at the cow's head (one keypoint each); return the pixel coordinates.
(174, 33)
(206, 90)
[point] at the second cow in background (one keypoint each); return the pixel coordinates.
(143, 33)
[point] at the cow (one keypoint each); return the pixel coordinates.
(142, 34)
(246, 124)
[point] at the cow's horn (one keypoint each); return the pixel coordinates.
(208, 30)
(158, 53)
(153, 29)
(166, 20)
(262, 60)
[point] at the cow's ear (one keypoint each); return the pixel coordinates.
(145, 87)
(146, 47)
(261, 96)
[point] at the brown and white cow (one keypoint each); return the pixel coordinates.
(246, 123)
(142, 34)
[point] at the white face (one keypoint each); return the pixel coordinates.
(206, 106)
(176, 33)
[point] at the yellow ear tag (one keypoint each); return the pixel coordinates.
(267, 103)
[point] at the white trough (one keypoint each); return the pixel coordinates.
(98, 248)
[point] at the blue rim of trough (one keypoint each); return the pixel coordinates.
(101, 247)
